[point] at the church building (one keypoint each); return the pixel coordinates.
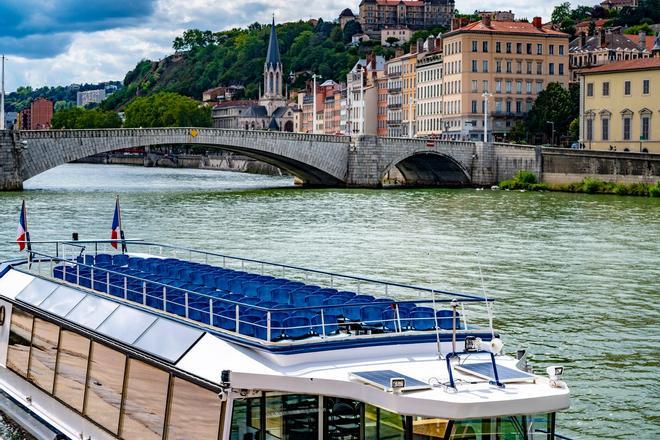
(272, 111)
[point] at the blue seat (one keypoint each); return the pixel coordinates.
(58, 272)
(250, 288)
(280, 295)
(134, 262)
(334, 301)
(372, 316)
(246, 303)
(226, 320)
(296, 327)
(346, 293)
(261, 330)
(120, 260)
(330, 322)
(246, 324)
(351, 310)
(445, 318)
(103, 259)
(389, 318)
(314, 300)
(306, 313)
(363, 298)
(422, 318)
(298, 297)
(327, 292)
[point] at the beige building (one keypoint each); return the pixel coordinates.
(429, 93)
(408, 92)
(401, 34)
(394, 68)
(376, 15)
(512, 61)
(619, 108)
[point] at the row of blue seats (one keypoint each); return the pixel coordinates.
(260, 291)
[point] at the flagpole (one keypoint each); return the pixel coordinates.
(121, 228)
(27, 234)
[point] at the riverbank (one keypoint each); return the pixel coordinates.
(526, 180)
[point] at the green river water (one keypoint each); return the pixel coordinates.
(576, 277)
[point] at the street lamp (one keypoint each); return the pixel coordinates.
(486, 95)
(552, 141)
(314, 96)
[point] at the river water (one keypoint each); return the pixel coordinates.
(576, 277)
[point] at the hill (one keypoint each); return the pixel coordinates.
(204, 59)
(62, 96)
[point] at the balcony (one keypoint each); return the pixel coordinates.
(395, 74)
(393, 122)
(394, 90)
(394, 106)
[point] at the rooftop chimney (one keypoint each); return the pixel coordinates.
(538, 24)
(642, 40)
(420, 45)
(486, 20)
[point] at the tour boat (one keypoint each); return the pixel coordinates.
(156, 341)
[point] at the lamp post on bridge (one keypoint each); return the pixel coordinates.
(486, 95)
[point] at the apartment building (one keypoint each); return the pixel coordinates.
(508, 62)
(362, 95)
(619, 106)
(381, 82)
(394, 69)
(429, 93)
(408, 92)
(376, 15)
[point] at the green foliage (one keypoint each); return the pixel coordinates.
(524, 180)
(647, 10)
(237, 56)
(591, 185)
(352, 27)
(574, 129)
(633, 30)
(518, 132)
(554, 104)
(561, 13)
(654, 191)
(166, 109)
(62, 96)
(79, 118)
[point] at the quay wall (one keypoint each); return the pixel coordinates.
(10, 163)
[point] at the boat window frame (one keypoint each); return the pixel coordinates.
(122, 348)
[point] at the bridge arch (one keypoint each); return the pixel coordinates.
(428, 168)
(318, 160)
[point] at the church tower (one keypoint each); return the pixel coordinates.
(273, 75)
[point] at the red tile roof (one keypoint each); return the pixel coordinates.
(396, 2)
(508, 27)
(598, 23)
(635, 39)
(622, 66)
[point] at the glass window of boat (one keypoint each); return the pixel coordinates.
(72, 369)
(194, 413)
(246, 419)
(36, 291)
(507, 428)
(20, 335)
(179, 339)
(92, 311)
(62, 300)
(43, 355)
(429, 428)
(342, 418)
(380, 424)
(292, 416)
(104, 386)
(126, 324)
(143, 412)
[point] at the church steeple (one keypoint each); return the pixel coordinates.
(273, 80)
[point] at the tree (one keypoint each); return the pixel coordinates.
(554, 104)
(574, 129)
(392, 41)
(561, 13)
(79, 118)
(518, 132)
(352, 27)
(592, 28)
(166, 109)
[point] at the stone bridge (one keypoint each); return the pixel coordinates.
(323, 160)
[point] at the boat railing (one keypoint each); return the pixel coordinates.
(267, 321)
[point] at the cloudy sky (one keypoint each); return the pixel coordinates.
(59, 42)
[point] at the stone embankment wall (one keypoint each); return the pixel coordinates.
(566, 166)
(10, 178)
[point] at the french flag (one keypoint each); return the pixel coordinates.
(116, 225)
(22, 230)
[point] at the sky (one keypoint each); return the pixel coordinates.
(60, 42)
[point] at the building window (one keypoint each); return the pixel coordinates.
(518, 66)
(539, 68)
(561, 68)
(626, 128)
(508, 106)
(529, 87)
(498, 66)
(508, 47)
(551, 49)
(645, 132)
(484, 46)
(529, 67)
(498, 47)
(498, 86)
(508, 67)
(626, 88)
(646, 87)
(474, 106)
(498, 106)
(485, 66)
(518, 106)
(590, 89)
(561, 49)
(474, 65)
(474, 46)
(606, 89)
(485, 86)
(551, 68)
(508, 86)
(518, 47)
(539, 49)
(519, 86)
(475, 86)
(605, 122)
(590, 129)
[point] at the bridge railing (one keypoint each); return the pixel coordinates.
(193, 133)
(426, 141)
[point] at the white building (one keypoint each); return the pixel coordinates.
(362, 96)
(429, 94)
(90, 97)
